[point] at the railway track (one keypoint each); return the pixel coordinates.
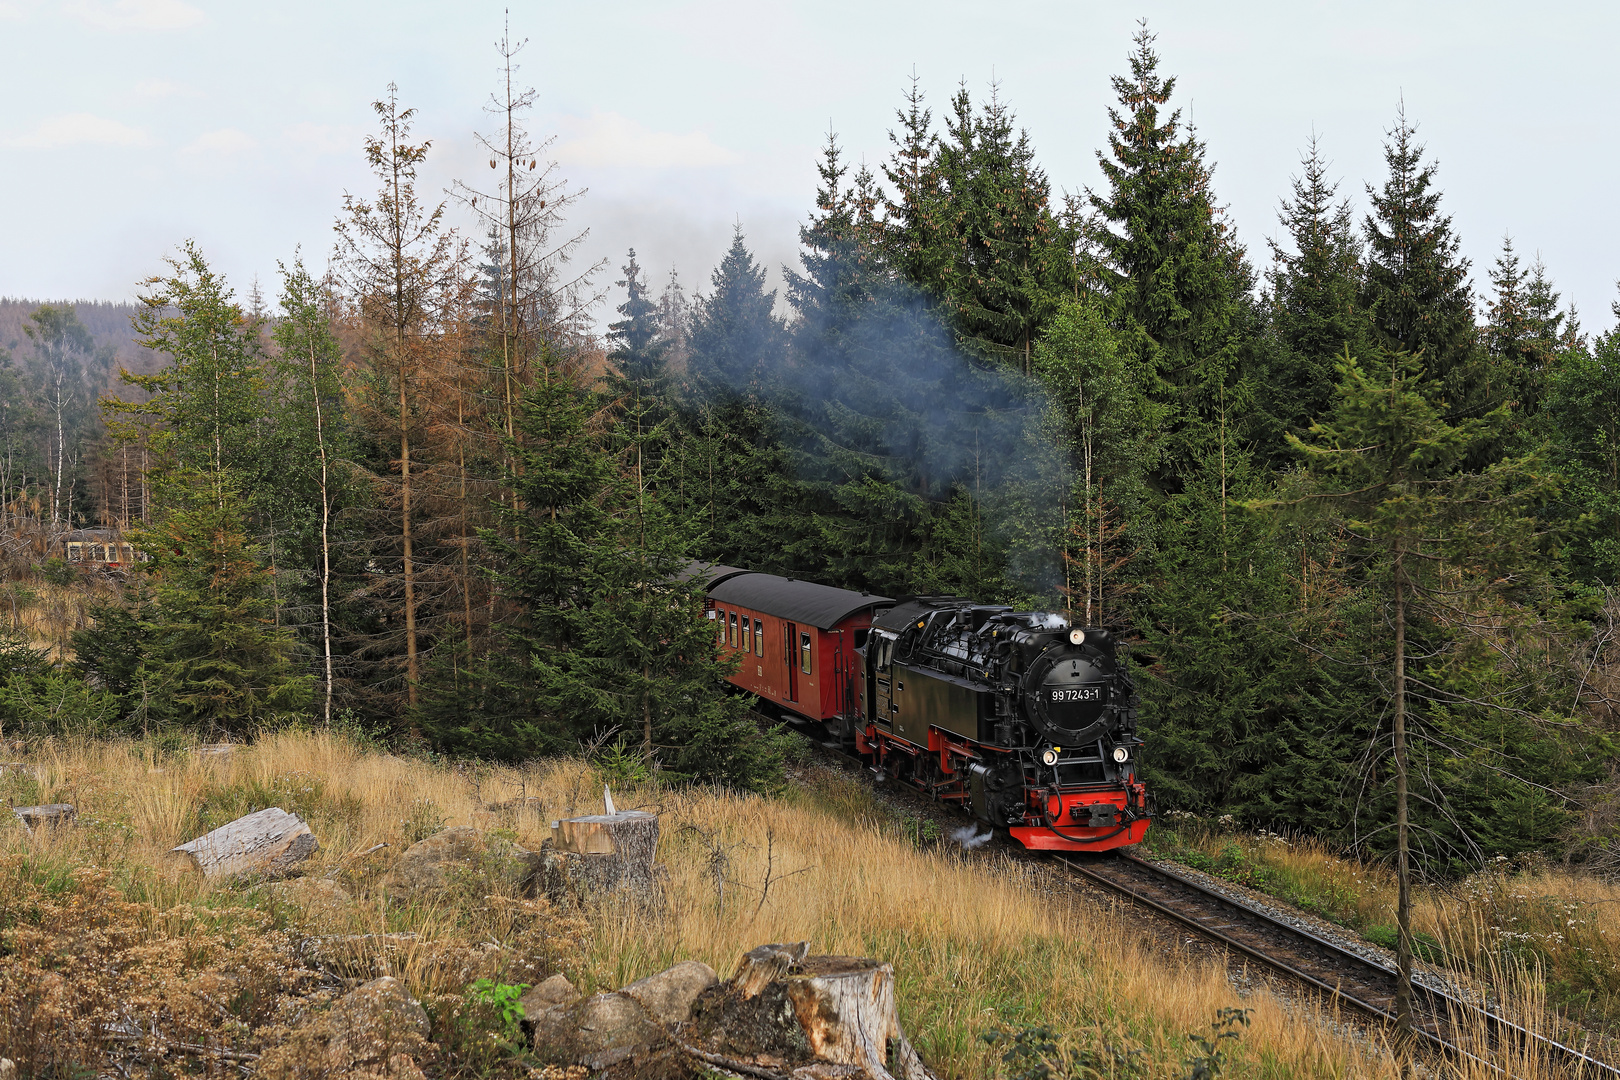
(1443, 1021)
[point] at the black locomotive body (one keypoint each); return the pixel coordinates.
(1027, 722)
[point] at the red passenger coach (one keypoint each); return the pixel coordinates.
(795, 641)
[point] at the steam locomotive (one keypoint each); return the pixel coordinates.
(1022, 719)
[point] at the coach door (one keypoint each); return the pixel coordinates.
(790, 635)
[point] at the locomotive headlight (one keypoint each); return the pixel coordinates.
(1122, 754)
(1077, 637)
(1051, 756)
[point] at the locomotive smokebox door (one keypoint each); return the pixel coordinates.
(1068, 696)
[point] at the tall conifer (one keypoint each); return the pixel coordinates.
(1312, 304)
(1175, 274)
(1416, 286)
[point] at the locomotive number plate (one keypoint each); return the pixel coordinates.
(1077, 693)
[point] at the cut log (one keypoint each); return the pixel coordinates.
(762, 966)
(269, 843)
(590, 857)
(49, 816)
(845, 1006)
(633, 832)
(835, 1010)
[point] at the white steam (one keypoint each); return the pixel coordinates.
(1049, 620)
(968, 836)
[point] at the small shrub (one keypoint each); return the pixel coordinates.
(502, 999)
(1213, 1053)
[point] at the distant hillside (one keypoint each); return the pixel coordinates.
(108, 322)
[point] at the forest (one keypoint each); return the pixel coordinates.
(1338, 494)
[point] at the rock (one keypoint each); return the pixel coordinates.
(216, 751)
(552, 992)
(375, 1023)
(426, 866)
(668, 995)
(598, 1032)
(8, 1069)
(268, 843)
(49, 816)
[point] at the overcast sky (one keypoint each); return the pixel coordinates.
(131, 125)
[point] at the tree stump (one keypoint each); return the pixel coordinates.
(588, 858)
(783, 1008)
(49, 816)
(269, 843)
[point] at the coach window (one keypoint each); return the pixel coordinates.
(75, 552)
(747, 638)
(804, 653)
(733, 629)
(759, 638)
(721, 615)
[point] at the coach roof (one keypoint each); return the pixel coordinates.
(711, 574)
(821, 606)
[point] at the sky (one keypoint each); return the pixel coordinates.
(130, 126)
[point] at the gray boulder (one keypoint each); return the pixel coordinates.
(551, 992)
(429, 866)
(375, 1022)
(597, 1033)
(668, 995)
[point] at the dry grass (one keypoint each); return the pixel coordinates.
(47, 616)
(978, 943)
(1560, 925)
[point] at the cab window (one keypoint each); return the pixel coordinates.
(733, 629)
(747, 638)
(804, 653)
(759, 638)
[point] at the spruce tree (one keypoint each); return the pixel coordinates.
(1010, 261)
(1448, 551)
(637, 351)
(609, 636)
(1313, 307)
(1175, 274)
(1523, 333)
(736, 338)
(214, 662)
(914, 217)
(1416, 286)
(1583, 413)
(201, 409)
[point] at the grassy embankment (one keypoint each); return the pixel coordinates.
(1561, 925)
(98, 928)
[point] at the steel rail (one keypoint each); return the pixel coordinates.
(1443, 1008)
